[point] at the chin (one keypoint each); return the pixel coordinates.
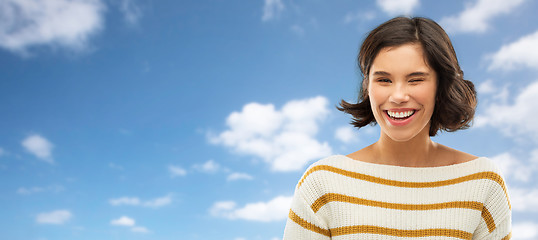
(401, 137)
(404, 135)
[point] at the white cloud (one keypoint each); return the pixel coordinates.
(239, 176)
(123, 221)
(139, 229)
(176, 171)
(158, 202)
(397, 7)
(284, 139)
(131, 11)
(274, 210)
(524, 200)
(65, 23)
(517, 119)
(297, 29)
(54, 217)
(476, 17)
(359, 16)
(346, 134)
(2, 152)
(135, 201)
(39, 146)
(28, 191)
(220, 207)
(32, 190)
(513, 168)
(208, 167)
(521, 53)
(525, 230)
(534, 158)
(488, 88)
(272, 9)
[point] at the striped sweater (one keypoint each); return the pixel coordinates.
(341, 198)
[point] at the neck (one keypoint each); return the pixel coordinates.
(416, 152)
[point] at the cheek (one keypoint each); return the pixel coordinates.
(376, 99)
(426, 97)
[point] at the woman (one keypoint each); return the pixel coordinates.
(405, 186)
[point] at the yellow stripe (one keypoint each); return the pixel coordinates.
(400, 233)
(331, 197)
(481, 175)
(489, 219)
(507, 237)
(305, 224)
(380, 230)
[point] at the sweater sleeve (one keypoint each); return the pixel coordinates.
(303, 223)
(497, 223)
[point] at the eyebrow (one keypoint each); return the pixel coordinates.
(413, 74)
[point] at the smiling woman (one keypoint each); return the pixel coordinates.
(405, 185)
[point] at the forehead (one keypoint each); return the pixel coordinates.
(401, 59)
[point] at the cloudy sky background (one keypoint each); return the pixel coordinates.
(141, 119)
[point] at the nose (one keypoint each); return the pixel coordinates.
(399, 94)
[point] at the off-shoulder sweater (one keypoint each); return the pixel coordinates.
(342, 198)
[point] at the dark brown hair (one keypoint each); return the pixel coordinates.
(455, 97)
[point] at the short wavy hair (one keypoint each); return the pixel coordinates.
(455, 102)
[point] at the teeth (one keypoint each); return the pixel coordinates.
(400, 114)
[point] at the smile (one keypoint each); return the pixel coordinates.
(400, 115)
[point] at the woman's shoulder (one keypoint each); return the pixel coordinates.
(330, 160)
(456, 157)
(329, 163)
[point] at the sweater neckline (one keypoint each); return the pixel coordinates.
(396, 167)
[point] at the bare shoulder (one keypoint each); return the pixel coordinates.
(364, 155)
(453, 156)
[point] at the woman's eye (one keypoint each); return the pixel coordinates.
(415, 80)
(383, 80)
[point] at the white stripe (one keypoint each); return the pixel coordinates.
(348, 214)
(336, 183)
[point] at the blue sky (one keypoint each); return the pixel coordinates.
(141, 119)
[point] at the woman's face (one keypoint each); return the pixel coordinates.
(402, 90)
